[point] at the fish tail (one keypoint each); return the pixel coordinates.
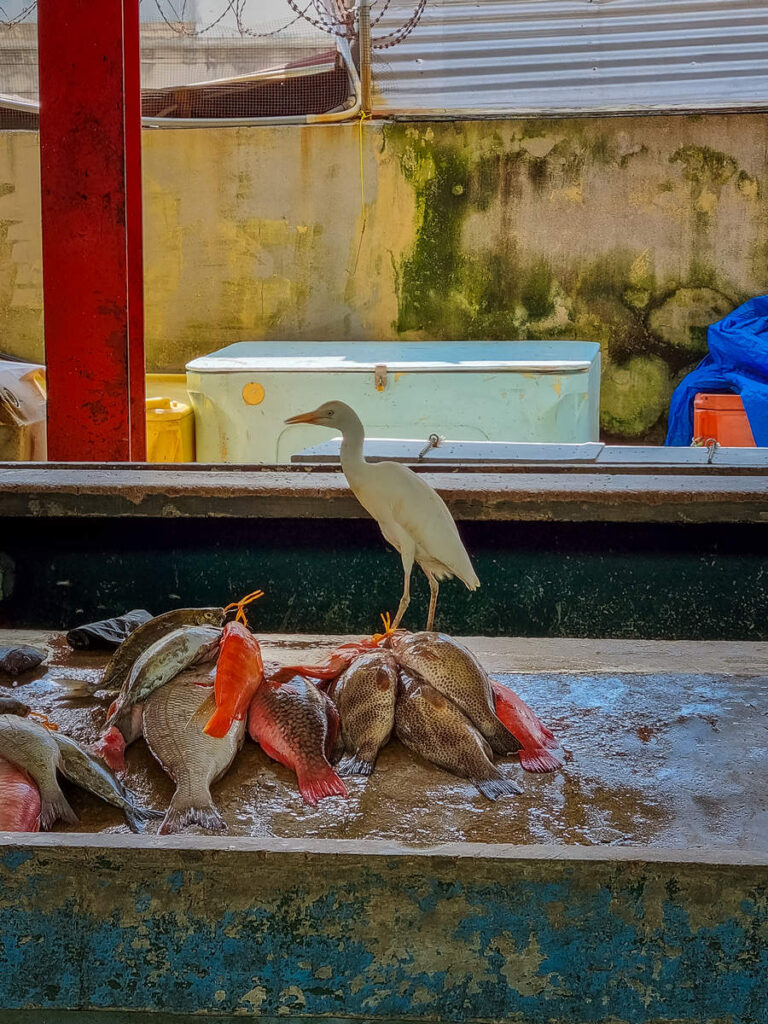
(539, 759)
(549, 737)
(319, 780)
(139, 817)
(54, 807)
(354, 764)
(495, 788)
(184, 811)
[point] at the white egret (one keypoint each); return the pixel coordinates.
(412, 516)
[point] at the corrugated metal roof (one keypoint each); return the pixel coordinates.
(523, 56)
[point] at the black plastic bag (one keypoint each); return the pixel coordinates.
(107, 634)
(22, 658)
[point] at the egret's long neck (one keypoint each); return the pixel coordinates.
(352, 461)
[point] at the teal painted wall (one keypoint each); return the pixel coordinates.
(538, 579)
(366, 934)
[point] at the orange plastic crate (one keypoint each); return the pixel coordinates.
(723, 418)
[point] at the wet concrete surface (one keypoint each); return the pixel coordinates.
(669, 760)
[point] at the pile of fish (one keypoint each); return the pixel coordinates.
(192, 682)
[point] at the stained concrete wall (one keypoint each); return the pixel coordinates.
(634, 232)
(311, 931)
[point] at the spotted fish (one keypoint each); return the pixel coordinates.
(453, 670)
(434, 727)
(365, 696)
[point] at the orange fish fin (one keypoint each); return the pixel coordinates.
(199, 719)
(540, 760)
(318, 782)
(219, 723)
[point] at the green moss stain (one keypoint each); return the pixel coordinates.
(705, 166)
(429, 278)
(634, 395)
(472, 273)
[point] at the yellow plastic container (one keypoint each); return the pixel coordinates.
(167, 385)
(170, 431)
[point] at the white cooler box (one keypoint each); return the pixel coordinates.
(530, 391)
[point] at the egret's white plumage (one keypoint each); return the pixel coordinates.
(412, 516)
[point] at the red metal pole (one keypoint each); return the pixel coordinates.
(90, 154)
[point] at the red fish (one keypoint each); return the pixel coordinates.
(297, 725)
(19, 800)
(239, 673)
(528, 729)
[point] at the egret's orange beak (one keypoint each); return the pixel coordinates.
(304, 417)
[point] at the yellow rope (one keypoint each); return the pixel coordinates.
(388, 631)
(240, 605)
(363, 117)
(43, 719)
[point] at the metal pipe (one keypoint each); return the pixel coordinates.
(364, 42)
(90, 169)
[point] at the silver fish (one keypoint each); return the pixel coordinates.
(171, 654)
(89, 773)
(32, 748)
(193, 759)
(365, 695)
(455, 672)
(120, 664)
(433, 727)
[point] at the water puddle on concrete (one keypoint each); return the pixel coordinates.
(658, 760)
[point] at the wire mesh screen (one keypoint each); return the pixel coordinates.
(209, 59)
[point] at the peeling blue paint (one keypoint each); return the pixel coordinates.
(438, 937)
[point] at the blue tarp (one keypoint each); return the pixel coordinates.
(737, 364)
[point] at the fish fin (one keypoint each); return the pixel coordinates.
(55, 807)
(550, 739)
(353, 764)
(182, 813)
(318, 782)
(199, 718)
(219, 724)
(138, 817)
(495, 788)
(539, 759)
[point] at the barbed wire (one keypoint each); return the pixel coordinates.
(17, 19)
(317, 13)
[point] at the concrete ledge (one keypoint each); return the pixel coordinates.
(316, 931)
(609, 495)
(525, 654)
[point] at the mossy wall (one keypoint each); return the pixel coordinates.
(635, 232)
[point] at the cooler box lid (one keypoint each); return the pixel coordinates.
(413, 357)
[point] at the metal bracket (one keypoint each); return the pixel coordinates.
(380, 376)
(434, 442)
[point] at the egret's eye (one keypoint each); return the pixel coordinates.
(330, 412)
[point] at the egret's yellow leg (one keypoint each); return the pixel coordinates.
(405, 600)
(434, 586)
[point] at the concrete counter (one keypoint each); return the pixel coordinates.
(630, 887)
